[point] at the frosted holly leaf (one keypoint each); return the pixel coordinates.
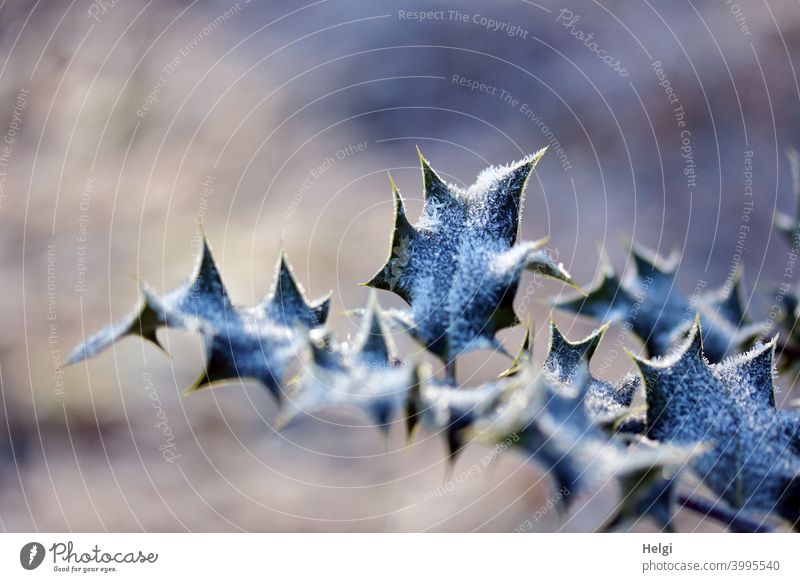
(524, 355)
(286, 303)
(250, 348)
(459, 266)
(649, 303)
(752, 463)
(567, 360)
(204, 292)
(551, 423)
(788, 224)
(143, 322)
(366, 375)
(257, 343)
(606, 402)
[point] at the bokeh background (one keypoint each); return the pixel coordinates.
(127, 124)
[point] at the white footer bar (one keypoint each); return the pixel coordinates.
(399, 557)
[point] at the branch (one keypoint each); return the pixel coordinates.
(733, 520)
(450, 371)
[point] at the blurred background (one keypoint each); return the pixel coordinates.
(127, 124)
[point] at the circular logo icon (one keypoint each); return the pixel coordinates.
(31, 555)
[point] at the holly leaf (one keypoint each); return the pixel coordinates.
(649, 303)
(552, 424)
(257, 343)
(752, 463)
(566, 361)
(460, 265)
(606, 402)
(366, 376)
